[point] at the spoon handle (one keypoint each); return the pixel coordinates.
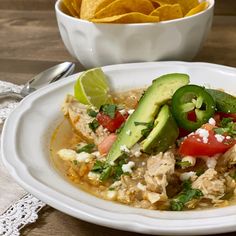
(48, 76)
(44, 78)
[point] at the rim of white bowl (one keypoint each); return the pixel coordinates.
(224, 222)
(59, 11)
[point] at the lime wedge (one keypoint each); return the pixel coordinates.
(92, 88)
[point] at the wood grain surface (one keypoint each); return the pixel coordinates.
(30, 42)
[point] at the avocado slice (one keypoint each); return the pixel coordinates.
(164, 133)
(224, 102)
(161, 91)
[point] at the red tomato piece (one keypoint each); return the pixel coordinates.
(106, 144)
(194, 146)
(111, 124)
(222, 115)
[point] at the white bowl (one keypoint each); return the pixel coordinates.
(25, 151)
(104, 44)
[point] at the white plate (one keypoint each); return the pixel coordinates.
(25, 152)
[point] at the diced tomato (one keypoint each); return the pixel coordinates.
(193, 145)
(111, 124)
(220, 115)
(106, 144)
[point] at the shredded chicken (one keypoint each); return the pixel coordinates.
(211, 184)
(79, 118)
(159, 170)
(227, 160)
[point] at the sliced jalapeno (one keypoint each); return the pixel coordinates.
(192, 98)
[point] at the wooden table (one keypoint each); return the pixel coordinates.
(30, 42)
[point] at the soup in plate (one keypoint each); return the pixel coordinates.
(170, 146)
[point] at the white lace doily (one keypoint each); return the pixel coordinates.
(23, 211)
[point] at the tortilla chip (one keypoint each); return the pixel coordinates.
(90, 7)
(69, 7)
(201, 7)
(76, 4)
(133, 17)
(186, 5)
(168, 12)
(121, 7)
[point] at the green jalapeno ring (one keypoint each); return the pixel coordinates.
(192, 98)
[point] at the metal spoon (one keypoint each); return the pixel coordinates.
(46, 77)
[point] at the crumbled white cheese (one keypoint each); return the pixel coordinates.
(211, 162)
(111, 194)
(112, 163)
(212, 121)
(220, 138)
(153, 197)
(204, 134)
(141, 187)
(124, 148)
(187, 175)
(131, 111)
(116, 184)
(67, 154)
(84, 157)
(190, 159)
(122, 112)
(228, 137)
(128, 132)
(127, 168)
(135, 150)
(96, 154)
(93, 176)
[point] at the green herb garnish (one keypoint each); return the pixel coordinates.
(93, 125)
(115, 171)
(89, 148)
(183, 164)
(149, 126)
(227, 127)
(92, 113)
(98, 167)
(106, 173)
(186, 195)
(109, 109)
(75, 162)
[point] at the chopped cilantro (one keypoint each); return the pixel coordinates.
(103, 169)
(200, 172)
(109, 109)
(93, 125)
(147, 130)
(187, 194)
(98, 167)
(92, 113)
(75, 162)
(183, 164)
(227, 127)
(86, 148)
(106, 173)
(115, 171)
